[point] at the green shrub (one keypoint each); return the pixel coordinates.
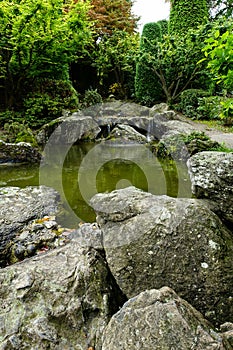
(194, 143)
(148, 90)
(189, 102)
(91, 98)
(19, 132)
(48, 100)
(209, 108)
(9, 116)
(41, 109)
(164, 26)
(227, 111)
(197, 104)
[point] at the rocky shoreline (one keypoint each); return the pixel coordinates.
(73, 296)
(123, 121)
(151, 272)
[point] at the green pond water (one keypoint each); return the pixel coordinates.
(86, 169)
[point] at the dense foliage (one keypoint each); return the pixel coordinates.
(185, 15)
(38, 40)
(174, 63)
(116, 55)
(44, 42)
(193, 62)
(219, 55)
(111, 15)
(110, 58)
(57, 55)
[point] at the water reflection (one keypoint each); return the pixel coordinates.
(88, 169)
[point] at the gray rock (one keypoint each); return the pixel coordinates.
(20, 152)
(159, 108)
(86, 124)
(211, 176)
(227, 333)
(68, 130)
(33, 239)
(19, 207)
(39, 236)
(88, 235)
(171, 141)
(152, 241)
(127, 133)
(119, 108)
(59, 300)
(159, 319)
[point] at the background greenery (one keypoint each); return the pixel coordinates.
(57, 55)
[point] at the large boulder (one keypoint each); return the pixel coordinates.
(160, 320)
(211, 176)
(59, 300)
(68, 130)
(151, 241)
(20, 152)
(20, 208)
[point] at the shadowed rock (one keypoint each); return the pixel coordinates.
(20, 152)
(19, 207)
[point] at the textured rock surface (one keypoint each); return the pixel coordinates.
(86, 124)
(227, 333)
(20, 152)
(159, 319)
(59, 300)
(181, 145)
(126, 132)
(69, 130)
(211, 175)
(18, 207)
(36, 237)
(152, 241)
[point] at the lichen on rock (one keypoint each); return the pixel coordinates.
(151, 241)
(160, 320)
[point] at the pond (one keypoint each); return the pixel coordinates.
(86, 169)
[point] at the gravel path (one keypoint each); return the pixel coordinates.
(214, 134)
(226, 138)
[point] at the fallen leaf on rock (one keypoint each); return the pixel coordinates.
(43, 249)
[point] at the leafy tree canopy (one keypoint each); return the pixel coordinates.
(185, 15)
(218, 52)
(39, 38)
(116, 53)
(174, 62)
(111, 15)
(115, 42)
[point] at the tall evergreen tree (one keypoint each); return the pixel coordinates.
(148, 89)
(185, 15)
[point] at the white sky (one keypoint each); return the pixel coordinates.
(150, 11)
